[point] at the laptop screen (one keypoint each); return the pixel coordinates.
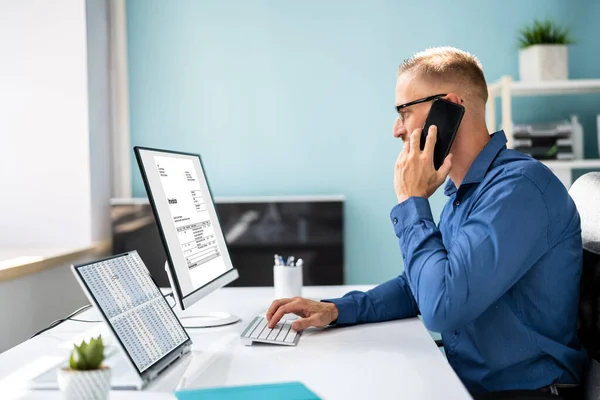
(134, 307)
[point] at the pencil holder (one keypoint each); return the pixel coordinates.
(287, 281)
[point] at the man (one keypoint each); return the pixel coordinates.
(499, 276)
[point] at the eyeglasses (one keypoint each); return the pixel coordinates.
(412, 103)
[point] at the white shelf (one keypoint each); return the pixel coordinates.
(572, 86)
(506, 89)
(562, 169)
(572, 164)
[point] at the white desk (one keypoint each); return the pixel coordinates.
(395, 359)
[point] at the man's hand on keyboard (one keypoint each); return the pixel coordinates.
(314, 313)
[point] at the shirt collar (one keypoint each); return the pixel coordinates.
(482, 163)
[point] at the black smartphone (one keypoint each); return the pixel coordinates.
(447, 116)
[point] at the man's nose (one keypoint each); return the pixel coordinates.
(398, 130)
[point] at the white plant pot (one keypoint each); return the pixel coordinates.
(543, 62)
(89, 385)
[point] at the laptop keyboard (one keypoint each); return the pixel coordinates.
(282, 333)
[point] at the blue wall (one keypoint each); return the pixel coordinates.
(288, 98)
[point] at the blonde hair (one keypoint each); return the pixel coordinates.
(448, 65)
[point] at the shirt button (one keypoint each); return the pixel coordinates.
(395, 221)
(455, 333)
(457, 203)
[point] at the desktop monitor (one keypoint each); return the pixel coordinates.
(198, 261)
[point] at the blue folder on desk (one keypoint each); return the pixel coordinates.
(287, 390)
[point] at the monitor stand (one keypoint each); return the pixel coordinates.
(208, 320)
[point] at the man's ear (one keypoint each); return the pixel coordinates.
(453, 97)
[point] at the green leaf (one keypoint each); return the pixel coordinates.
(72, 361)
(78, 357)
(95, 353)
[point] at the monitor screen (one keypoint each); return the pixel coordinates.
(133, 307)
(182, 202)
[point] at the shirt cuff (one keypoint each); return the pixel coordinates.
(409, 212)
(346, 307)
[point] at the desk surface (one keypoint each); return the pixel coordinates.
(396, 359)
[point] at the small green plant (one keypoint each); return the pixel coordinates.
(86, 356)
(544, 32)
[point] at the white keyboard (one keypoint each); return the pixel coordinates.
(258, 331)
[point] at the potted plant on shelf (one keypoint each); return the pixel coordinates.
(86, 377)
(543, 53)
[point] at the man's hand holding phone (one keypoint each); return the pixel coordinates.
(415, 174)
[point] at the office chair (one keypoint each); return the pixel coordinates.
(586, 194)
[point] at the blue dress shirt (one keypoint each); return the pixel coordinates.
(499, 277)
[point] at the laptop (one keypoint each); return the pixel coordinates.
(149, 336)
